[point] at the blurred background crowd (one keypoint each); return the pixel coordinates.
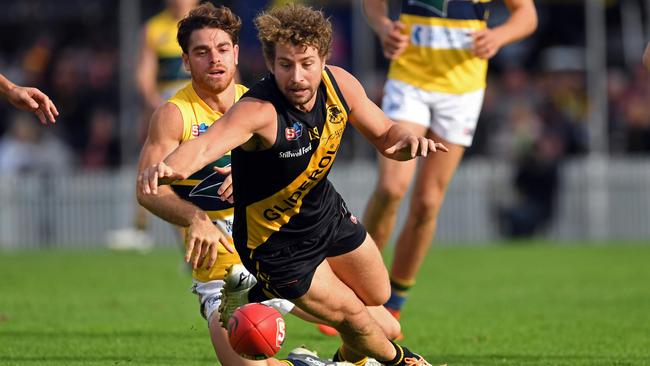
(535, 115)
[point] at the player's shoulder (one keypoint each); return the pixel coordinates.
(167, 113)
(347, 83)
(340, 73)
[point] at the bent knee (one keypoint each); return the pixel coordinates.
(378, 297)
(391, 192)
(426, 208)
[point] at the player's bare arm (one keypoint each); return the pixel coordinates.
(165, 132)
(391, 139)
(249, 122)
(29, 99)
(147, 67)
(391, 33)
(521, 22)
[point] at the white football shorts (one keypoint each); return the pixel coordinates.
(451, 116)
(210, 298)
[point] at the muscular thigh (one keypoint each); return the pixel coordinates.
(363, 271)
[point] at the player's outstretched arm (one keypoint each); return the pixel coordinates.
(165, 134)
(521, 23)
(29, 99)
(244, 119)
(388, 137)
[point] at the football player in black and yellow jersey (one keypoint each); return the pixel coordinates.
(292, 229)
(201, 203)
(439, 50)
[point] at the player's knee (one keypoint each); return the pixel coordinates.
(426, 208)
(390, 193)
(378, 297)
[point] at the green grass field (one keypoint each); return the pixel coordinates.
(494, 305)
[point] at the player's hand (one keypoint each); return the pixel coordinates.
(157, 174)
(487, 43)
(412, 146)
(225, 191)
(203, 240)
(393, 39)
(33, 100)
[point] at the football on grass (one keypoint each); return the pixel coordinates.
(256, 331)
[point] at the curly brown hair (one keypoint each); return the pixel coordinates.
(207, 15)
(294, 24)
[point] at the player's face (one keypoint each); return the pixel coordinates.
(297, 71)
(211, 59)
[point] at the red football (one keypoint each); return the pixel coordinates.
(256, 331)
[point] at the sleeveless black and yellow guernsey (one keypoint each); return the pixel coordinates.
(288, 216)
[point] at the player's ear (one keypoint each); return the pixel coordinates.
(235, 49)
(186, 62)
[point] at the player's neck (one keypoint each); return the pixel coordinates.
(307, 107)
(218, 102)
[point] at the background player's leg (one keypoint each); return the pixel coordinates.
(417, 234)
(392, 185)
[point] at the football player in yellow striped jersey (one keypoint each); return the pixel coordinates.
(209, 39)
(160, 71)
(436, 81)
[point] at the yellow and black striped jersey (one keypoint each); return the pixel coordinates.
(201, 187)
(438, 57)
(161, 32)
(282, 194)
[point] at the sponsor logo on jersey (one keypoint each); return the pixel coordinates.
(294, 198)
(295, 153)
(443, 38)
(294, 132)
(198, 130)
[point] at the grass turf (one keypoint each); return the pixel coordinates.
(494, 305)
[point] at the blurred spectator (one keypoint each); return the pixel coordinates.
(28, 148)
(536, 183)
(102, 148)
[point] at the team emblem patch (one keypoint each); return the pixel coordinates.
(294, 132)
(199, 129)
(334, 114)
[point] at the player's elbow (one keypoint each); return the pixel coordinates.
(532, 22)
